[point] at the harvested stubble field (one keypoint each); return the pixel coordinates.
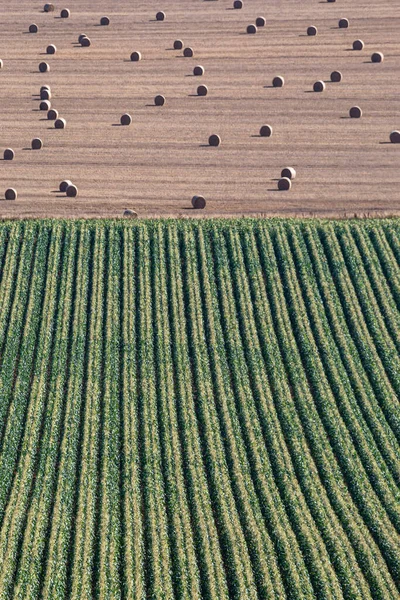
(157, 164)
(199, 410)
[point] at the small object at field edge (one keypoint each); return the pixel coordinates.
(284, 184)
(72, 191)
(198, 202)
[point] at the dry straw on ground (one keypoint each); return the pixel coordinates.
(284, 184)
(52, 115)
(9, 154)
(198, 202)
(289, 173)
(319, 86)
(358, 45)
(36, 144)
(278, 81)
(266, 131)
(126, 119)
(11, 194)
(355, 112)
(395, 137)
(202, 90)
(377, 57)
(129, 213)
(45, 94)
(251, 29)
(60, 123)
(72, 191)
(336, 76)
(214, 140)
(64, 184)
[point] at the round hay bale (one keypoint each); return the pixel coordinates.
(278, 81)
(312, 30)
(251, 29)
(288, 173)
(33, 28)
(131, 214)
(36, 144)
(45, 105)
(336, 76)
(1, 64)
(198, 202)
(126, 119)
(395, 137)
(136, 56)
(85, 42)
(202, 90)
(198, 71)
(358, 45)
(60, 123)
(331, 0)
(44, 67)
(355, 112)
(284, 184)
(104, 21)
(51, 49)
(80, 38)
(261, 22)
(238, 4)
(319, 86)
(266, 131)
(65, 13)
(64, 184)
(377, 57)
(11, 194)
(45, 94)
(44, 87)
(214, 140)
(72, 191)
(159, 100)
(160, 16)
(52, 115)
(343, 23)
(178, 45)
(188, 52)
(48, 7)
(9, 154)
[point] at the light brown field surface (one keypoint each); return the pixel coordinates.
(158, 163)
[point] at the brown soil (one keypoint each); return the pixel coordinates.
(156, 166)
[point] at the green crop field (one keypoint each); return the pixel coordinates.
(203, 409)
